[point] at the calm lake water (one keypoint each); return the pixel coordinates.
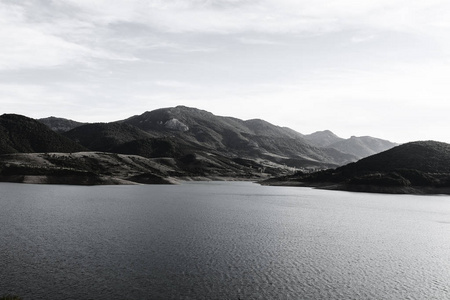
(221, 240)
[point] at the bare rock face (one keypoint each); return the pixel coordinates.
(175, 124)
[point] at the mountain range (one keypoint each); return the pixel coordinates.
(207, 129)
(190, 141)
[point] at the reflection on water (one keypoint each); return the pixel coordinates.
(221, 240)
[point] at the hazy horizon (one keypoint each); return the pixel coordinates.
(376, 68)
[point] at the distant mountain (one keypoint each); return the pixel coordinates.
(60, 124)
(416, 167)
(323, 138)
(19, 134)
(362, 146)
(358, 146)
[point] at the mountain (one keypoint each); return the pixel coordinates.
(322, 138)
(416, 167)
(238, 138)
(362, 146)
(19, 134)
(60, 124)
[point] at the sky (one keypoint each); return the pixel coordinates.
(355, 67)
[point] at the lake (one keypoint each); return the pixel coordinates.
(221, 240)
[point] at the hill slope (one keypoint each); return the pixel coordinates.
(60, 124)
(83, 168)
(416, 167)
(105, 136)
(322, 138)
(22, 134)
(423, 156)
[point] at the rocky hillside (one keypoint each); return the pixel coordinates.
(19, 134)
(416, 167)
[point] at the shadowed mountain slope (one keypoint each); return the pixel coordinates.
(105, 136)
(23, 134)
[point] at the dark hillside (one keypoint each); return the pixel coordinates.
(155, 147)
(417, 167)
(105, 136)
(25, 135)
(60, 125)
(424, 156)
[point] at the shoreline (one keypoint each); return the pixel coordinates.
(109, 180)
(366, 188)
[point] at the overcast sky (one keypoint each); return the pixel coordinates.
(361, 67)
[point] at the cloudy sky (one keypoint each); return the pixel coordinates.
(356, 67)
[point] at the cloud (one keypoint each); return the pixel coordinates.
(259, 41)
(270, 16)
(175, 84)
(44, 42)
(47, 33)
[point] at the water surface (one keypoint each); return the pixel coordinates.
(221, 240)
